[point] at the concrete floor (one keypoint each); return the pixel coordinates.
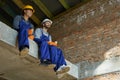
(13, 67)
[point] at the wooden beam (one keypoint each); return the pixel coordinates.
(43, 8)
(20, 4)
(64, 4)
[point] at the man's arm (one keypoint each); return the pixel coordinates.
(50, 38)
(37, 34)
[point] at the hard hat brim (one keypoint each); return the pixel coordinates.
(29, 9)
(47, 20)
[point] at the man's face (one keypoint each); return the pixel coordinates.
(28, 12)
(47, 24)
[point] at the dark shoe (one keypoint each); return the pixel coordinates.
(47, 63)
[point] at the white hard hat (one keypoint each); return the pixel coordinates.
(47, 20)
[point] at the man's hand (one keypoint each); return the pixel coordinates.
(30, 34)
(52, 43)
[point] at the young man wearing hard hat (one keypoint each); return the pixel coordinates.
(49, 52)
(22, 24)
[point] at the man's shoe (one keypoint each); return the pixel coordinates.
(24, 52)
(63, 69)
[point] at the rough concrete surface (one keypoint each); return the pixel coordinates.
(13, 67)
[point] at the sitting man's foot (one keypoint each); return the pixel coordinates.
(63, 69)
(47, 63)
(24, 52)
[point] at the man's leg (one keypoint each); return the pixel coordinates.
(45, 55)
(23, 42)
(58, 59)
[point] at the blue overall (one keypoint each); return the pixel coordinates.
(50, 52)
(23, 34)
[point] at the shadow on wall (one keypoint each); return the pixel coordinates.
(111, 62)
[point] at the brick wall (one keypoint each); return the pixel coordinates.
(89, 31)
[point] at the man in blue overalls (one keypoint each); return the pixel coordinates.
(48, 50)
(22, 24)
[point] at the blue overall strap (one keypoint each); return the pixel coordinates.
(23, 35)
(44, 37)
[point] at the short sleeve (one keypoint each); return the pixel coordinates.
(16, 21)
(38, 33)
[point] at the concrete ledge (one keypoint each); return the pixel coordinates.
(8, 35)
(33, 51)
(74, 70)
